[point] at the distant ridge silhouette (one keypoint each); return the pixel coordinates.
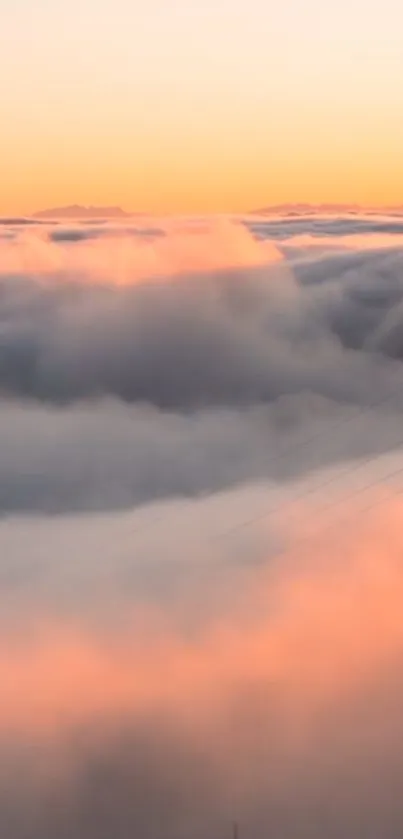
(324, 209)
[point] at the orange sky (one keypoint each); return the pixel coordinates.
(184, 107)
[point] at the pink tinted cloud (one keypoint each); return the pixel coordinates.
(127, 259)
(327, 626)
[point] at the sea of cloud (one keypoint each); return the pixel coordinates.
(200, 528)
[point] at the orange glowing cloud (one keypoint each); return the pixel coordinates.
(217, 244)
(327, 627)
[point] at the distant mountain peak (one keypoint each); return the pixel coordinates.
(77, 211)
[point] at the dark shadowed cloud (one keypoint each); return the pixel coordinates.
(110, 456)
(227, 338)
(86, 232)
(192, 382)
(334, 226)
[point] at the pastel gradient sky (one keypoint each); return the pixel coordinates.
(178, 105)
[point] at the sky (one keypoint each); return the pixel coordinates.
(180, 106)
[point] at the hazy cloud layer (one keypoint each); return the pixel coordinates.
(267, 693)
(89, 322)
(110, 456)
(285, 228)
(212, 629)
(136, 386)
